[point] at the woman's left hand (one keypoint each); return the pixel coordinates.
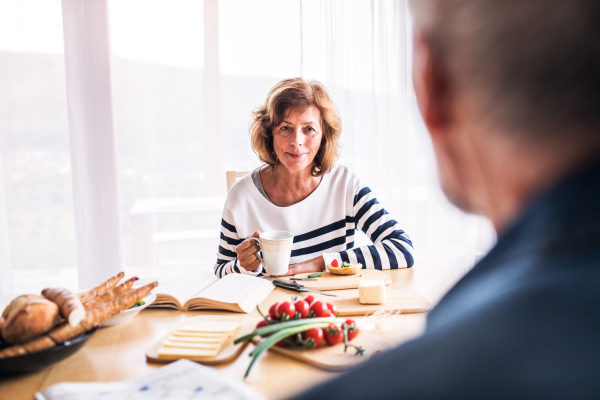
(314, 265)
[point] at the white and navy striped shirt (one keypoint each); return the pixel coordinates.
(323, 224)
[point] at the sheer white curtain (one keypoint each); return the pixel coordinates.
(361, 50)
(92, 139)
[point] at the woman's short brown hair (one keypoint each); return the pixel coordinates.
(290, 94)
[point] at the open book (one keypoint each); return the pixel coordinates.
(182, 379)
(202, 290)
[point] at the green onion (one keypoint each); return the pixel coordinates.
(315, 275)
(287, 324)
(276, 337)
(282, 334)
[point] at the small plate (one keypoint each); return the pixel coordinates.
(41, 359)
(126, 315)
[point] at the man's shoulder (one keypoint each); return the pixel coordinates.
(536, 340)
(536, 322)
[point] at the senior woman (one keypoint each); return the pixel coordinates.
(299, 189)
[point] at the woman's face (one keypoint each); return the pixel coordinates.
(298, 137)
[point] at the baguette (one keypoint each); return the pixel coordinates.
(39, 344)
(93, 318)
(111, 294)
(68, 303)
(13, 351)
(105, 287)
(33, 346)
(28, 316)
(101, 313)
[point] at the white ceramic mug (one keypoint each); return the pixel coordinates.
(276, 248)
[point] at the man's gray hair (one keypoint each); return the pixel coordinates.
(532, 66)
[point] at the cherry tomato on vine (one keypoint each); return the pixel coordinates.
(309, 299)
(302, 308)
(313, 336)
(352, 329)
(332, 308)
(376, 353)
(320, 309)
(262, 323)
(286, 310)
(335, 264)
(333, 334)
(273, 311)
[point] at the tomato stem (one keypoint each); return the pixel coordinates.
(261, 314)
(359, 349)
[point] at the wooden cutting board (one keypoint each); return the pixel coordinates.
(397, 301)
(328, 281)
(333, 358)
(228, 353)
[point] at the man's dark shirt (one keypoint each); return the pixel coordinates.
(523, 323)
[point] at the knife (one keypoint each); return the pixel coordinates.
(298, 288)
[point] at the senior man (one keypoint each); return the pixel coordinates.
(510, 94)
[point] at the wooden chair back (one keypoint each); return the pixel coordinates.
(232, 177)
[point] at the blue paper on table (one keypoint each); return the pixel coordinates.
(182, 380)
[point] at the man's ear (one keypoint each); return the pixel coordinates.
(431, 87)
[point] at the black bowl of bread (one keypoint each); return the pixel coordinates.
(39, 330)
(41, 359)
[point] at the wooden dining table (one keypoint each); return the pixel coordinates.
(118, 353)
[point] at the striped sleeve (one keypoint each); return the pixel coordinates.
(392, 247)
(227, 262)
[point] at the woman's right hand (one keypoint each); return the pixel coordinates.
(246, 253)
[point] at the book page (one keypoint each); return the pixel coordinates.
(181, 380)
(184, 286)
(238, 289)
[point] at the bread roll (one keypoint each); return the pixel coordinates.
(28, 316)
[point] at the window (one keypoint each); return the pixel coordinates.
(185, 77)
(165, 117)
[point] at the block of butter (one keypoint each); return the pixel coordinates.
(371, 291)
